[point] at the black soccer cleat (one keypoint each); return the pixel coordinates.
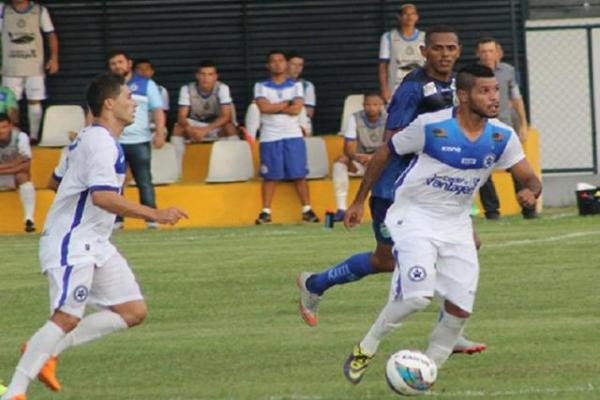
(29, 226)
(310, 216)
(263, 218)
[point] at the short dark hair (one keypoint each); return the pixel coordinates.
(373, 94)
(142, 61)
(104, 86)
(439, 29)
(207, 64)
(465, 79)
(405, 6)
(5, 118)
(293, 54)
(273, 52)
(486, 39)
(117, 52)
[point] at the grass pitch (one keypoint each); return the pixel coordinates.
(224, 325)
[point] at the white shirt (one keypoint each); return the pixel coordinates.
(45, 22)
(164, 94)
(279, 126)
(433, 196)
(77, 232)
(223, 94)
(310, 94)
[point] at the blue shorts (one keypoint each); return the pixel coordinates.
(379, 207)
(283, 160)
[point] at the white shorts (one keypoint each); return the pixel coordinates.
(425, 267)
(72, 288)
(35, 86)
(7, 181)
(211, 136)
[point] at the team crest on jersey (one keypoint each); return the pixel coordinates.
(417, 273)
(439, 133)
(264, 169)
(133, 87)
(488, 160)
(80, 294)
(497, 136)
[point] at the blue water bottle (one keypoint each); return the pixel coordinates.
(329, 215)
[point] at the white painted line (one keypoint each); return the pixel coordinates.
(536, 241)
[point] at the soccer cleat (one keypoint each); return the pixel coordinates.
(263, 218)
(466, 346)
(47, 374)
(309, 302)
(118, 225)
(152, 225)
(339, 215)
(310, 216)
(19, 397)
(356, 365)
(3, 389)
(29, 226)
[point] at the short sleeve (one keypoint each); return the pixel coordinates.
(384, 48)
(61, 168)
(101, 173)
(259, 90)
(46, 22)
(350, 133)
(298, 91)
(310, 96)
(23, 145)
(515, 92)
(409, 140)
(512, 154)
(404, 105)
(164, 94)
(184, 96)
(224, 95)
(154, 97)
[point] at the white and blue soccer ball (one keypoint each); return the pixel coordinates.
(410, 372)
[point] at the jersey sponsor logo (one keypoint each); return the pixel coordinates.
(429, 89)
(417, 273)
(488, 160)
(468, 161)
(497, 136)
(452, 184)
(451, 149)
(80, 294)
(439, 133)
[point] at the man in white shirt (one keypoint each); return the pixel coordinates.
(455, 151)
(76, 255)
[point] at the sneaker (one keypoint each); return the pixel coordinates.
(263, 218)
(29, 226)
(310, 216)
(466, 346)
(19, 397)
(3, 389)
(339, 215)
(492, 216)
(309, 302)
(47, 374)
(152, 225)
(119, 225)
(356, 365)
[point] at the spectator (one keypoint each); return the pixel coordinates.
(15, 165)
(400, 51)
(143, 67)
(364, 134)
(23, 22)
(205, 111)
(510, 97)
(136, 138)
(282, 148)
(9, 105)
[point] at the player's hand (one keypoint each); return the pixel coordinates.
(198, 134)
(52, 66)
(476, 240)
(170, 215)
(159, 140)
(354, 215)
(363, 158)
(385, 93)
(526, 198)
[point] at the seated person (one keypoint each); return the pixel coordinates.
(9, 105)
(15, 165)
(205, 111)
(363, 136)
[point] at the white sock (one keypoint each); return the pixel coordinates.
(178, 143)
(252, 119)
(266, 210)
(90, 328)
(34, 113)
(27, 195)
(306, 208)
(340, 184)
(444, 337)
(39, 349)
(390, 318)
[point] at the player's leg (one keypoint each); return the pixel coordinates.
(27, 196)
(178, 142)
(489, 200)
(35, 90)
(271, 170)
(229, 131)
(295, 165)
(341, 182)
(69, 289)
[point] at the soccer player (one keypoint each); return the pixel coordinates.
(76, 256)
(455, 150)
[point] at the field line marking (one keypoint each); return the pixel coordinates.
(543, 240)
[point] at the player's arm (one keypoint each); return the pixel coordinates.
(519, 106)
(532, 186)
(267, 107)
(182, 115)
(223, 119)
(19, 164)
(155, 105)
(294, 106)
(53, 183)
(384, 59)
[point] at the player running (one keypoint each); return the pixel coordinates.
(76, 256)
(455, 150)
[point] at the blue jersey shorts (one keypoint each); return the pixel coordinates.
(283, 159)
(379, 207)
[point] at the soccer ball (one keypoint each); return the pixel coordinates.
(410, 372)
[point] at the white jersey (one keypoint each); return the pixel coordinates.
(433, 196)
(279, 126)
(76, 231)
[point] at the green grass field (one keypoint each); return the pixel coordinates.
(223, 320)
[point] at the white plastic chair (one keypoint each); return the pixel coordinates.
(58, 121)
(164, 165)
(230, 161)
(316, 155)
(352, 104)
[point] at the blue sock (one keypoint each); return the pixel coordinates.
(352, 269)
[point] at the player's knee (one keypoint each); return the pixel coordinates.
(178, 129)
(64, 321)
(135, 315)
(22, 177)
(417, 303)
(455, 310)
(229, 130)
(382, 262)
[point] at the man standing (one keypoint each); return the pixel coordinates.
(137, 137)
(455, 151)
(489, 54)
(400, 51)
(295, 69)
(76, 256)
(282, 147)
(23, 23)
